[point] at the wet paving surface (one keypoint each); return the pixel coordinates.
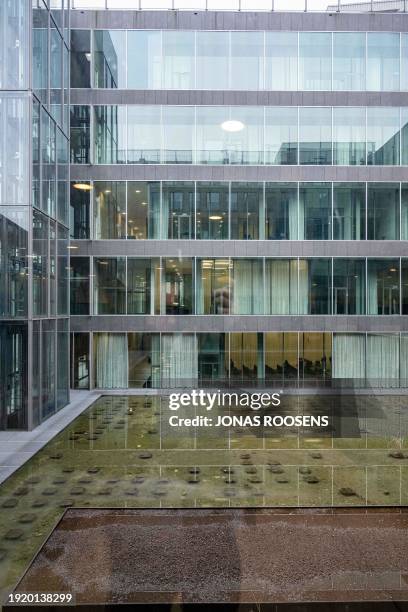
(122, 453)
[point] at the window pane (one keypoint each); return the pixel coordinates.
(404, 288)
(315, 357)
(246, 203)
(109, 286)
(349, 136)
(63, 270)
(281, 356)
(40, 52)
(144, 134)
(178, 287)
(349, 211)
(109, 59)
(383, 211)
(212, 211)
(79, 210)
(383, 286)
(139, 285)
(349, 60)
(178, 134)
(213, 286)
(315, 211)
(383, 61)
(14, 157)
(404, 136)
(80, 361)
(143, 201)
(56, 75)
(404, 61)
(178, 60)
(281, 201)
(79, 285)
(14, 46)
(178, 210)
(348, 286)
(109, 209)
(315, 136)
(110, 134)
(247, 286)
(383, 136)
(80, 134)
(140, 356)
(212, 60)
(281, 286)
(247, 69)
(281, 135)
(319, 276)
(80, 58)
(281, 61)
(404, 211)
(13, 261)
(244, 363)
(315, 54)
(40, 264)
(212, 360)
(144, 59)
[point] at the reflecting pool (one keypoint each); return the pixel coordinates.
(122, 452)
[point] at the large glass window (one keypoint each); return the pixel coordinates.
(247, 60)
(212, 60)
(319, 290)
(213, 287)
(62, 270)
(40, 51)
(79, 210)
(212, 359)
(79, 285)
(139, 286)
(404, 211)
(281, 356)
(40, 264)
(315, 135)
(14, 154)
(144, 59)
(315, 52)
(109, 286)
(178, 286)
(383, 61)
(109, 58)
(281, 286)
(110, 133)
(178, 134)
(349, 61)
(281, 135)
(178, 60)
(212, 211)
(178, 210)
(383, 136)
(56, 74)
(247, 287)
(383, 211)
(140, 357)
(383, 286)
(246, 205)
(349, 136)
(109, 209)
(404, 286)
(315, 211)
(404, 135)
(80, 361)
(13, 384)
(14, 47)
(349, 211)
(281, 61)
(144, 134)
(245, 358)
(13, 261)
(143, 210)
(281, 215)
(80, 134)
(315, 354)
(349, 286)
(80, 58)
(404, 61)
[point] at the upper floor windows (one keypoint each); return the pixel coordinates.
(241, 60)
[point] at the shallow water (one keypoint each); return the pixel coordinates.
(121, 452)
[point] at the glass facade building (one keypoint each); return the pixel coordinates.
(34, 208)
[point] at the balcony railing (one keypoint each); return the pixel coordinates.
(342, 6)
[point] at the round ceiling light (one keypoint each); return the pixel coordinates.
(83, 186)
(232, 126)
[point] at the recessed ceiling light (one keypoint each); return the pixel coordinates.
(83, 186)
(231, 125)
(215, 218)
(137, 191)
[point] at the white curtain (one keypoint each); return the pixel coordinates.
(281, 286)
(372, 288)
(112, 366)
(383, 360)
(179, 360)
(303, 286)
(247, 287)
(293, 216)
(348, 356)
(404, 361)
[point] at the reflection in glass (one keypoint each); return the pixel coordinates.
(349, 286)
(245, 358)
(281, 62)
(383, 211)
(14, 155)
(247, 295)
(79, 360)
(212, 60)
(144, 134)
(383, 286)
(315, 211)
(62, 270)
(79, 210)
(140, 360)
(13, 261)
(110, 134)
(80, 134)
(212, 211)
(56, 75)
(178, 286)
(40, 51)
(315, 51)
(109, 285)
(139, 286)
(80, 58)
(404, 211)
(109, 59)
(40, 264)
(404, 135)
(315, 356)
(383, 136)
(140, 205)
(144, 59)
(319, 291)
(349, 211)
(213, 288)
(383, 61)
(349, 61)
(281, 356)
(178, 210)
(212, 359)
(178, 134)
(281, 286)
(281, 135)
(315, 135)
(178, 60)
(246, 204)
(14, 366)
(281, 201)
(109, 209)
(79, 285)
(247, 69)
(349, 136)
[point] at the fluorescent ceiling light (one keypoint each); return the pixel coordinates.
(232, 125)
(83, 186)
